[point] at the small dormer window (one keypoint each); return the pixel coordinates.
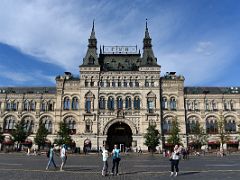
(91, 60)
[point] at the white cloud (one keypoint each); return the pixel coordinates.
(43, 29)
(56, 31)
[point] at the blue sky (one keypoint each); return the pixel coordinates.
(44, 38)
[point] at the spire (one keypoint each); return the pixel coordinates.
(91, 58)
(147, 40)
(100, 49)
(92, 41)
(148, 58)
(93, 32)
(146, 31)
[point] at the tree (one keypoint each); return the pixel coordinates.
(63, 135)
(41, 135)
(224, 137)
(199, 137)
(152, 137)
(19, 134)
(174, 133)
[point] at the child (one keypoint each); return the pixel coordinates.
(105, 162)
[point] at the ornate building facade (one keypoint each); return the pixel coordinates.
(118, 94)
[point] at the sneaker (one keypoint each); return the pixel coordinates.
(171, 174)
(112, 173)
(176, 174)
(117, 174)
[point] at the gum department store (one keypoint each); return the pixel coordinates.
(118, 94)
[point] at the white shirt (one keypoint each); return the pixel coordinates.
(175, 155)
(63, 152)
(105, 155)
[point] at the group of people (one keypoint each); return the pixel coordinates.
(63, 155)
(115, 160)
(174, 159)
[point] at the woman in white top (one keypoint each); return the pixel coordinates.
(175, 160)
(105, 155)
(63, 156)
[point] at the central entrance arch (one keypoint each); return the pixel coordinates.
(119, 133)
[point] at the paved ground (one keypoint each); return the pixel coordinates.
(144, 167)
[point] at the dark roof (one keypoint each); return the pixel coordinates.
(28, 90)
(119, 62)
(212, 90)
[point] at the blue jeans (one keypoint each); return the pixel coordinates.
(51, 160)
(115, 164)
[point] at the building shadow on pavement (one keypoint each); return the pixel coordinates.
(188, 173)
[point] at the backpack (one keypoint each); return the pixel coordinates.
(48, 153)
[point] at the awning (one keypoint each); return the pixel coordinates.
(233, 142)
(213, 142)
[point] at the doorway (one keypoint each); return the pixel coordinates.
(121, 134)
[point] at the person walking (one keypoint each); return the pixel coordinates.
(175, 160)
(105, 155)
(116, 159)
(50, 155)
(63, 155)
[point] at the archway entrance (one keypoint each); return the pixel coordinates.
(121, 134)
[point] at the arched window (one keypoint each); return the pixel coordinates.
(128, 103)
(50, 106)
(92, 82)
(111, 103)
(102, 103)
(230, 124)
(164, 103)
(66, 103)
(136, 83)
(9, 124)
(119, 103)
(146, 83)
(107, 83)
(44, 106)
(47, 121)
(152, 82)
(125, 83)
(119, 82)
(29, 124)
(88, 126)
(167, 125)
(137, 103)
(75, 103)
(33, 105)
(151, 102)
(131, 83)
(193, 125)
(214, 105)
(26, 105)
(71, 123)
(113, 83)
(173, 103)
(211, 125)
(8, 108)
(88, 105)
(195, 105)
